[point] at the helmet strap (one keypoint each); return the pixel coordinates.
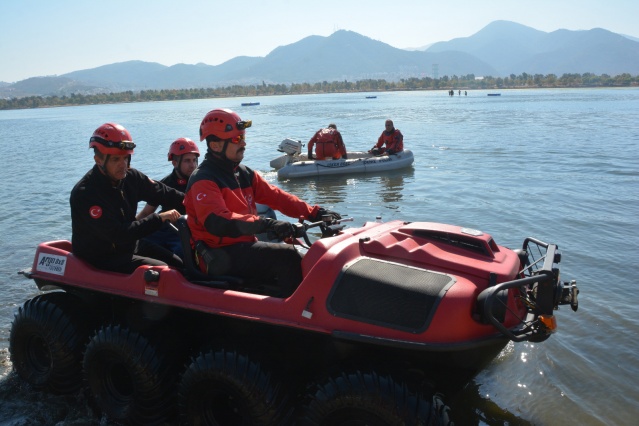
(226, 144)
(103, 168)
(178, 168)
(103, 165)
(233, 163)
(221, 154)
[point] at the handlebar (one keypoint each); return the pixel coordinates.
(328, 226)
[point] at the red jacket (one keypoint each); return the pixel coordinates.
(394, 141)
(220, 203)
(329, 144)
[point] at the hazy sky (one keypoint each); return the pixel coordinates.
(53, 37)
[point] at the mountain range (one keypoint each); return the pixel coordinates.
(500, 49)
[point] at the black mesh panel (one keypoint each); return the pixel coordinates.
(388, 294)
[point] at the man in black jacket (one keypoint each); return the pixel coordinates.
(104, 203)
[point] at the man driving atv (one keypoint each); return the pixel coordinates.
(222, 215)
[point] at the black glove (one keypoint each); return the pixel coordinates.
(280, 229)
(345, 157)
(321, 212)
(310, 155)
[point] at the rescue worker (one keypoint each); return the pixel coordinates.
(393, 139)
(183, 154)
(105, 232)
(222, 216)
(329, 144)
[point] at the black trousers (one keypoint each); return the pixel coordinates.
(260, 263)
(146, 253)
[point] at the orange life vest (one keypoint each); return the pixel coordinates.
(329, 144)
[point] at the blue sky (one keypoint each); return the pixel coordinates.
(53, 37)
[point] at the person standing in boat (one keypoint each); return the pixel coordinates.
(183, 154)
(392, 138)
(104, 202)
(220, 202)
(328, 144)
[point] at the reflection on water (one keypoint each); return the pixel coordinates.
(384, 190)
(392, 187)
(469, 408)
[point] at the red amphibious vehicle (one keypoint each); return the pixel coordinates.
(387, 314)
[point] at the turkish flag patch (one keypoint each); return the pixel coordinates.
(95, 212)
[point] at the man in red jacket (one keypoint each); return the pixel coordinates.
(220, 204)
(393, 139)
(329, 144)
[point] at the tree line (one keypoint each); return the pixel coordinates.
(467, 82)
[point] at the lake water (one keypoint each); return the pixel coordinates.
(559, 165)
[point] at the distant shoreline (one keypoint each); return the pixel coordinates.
(466, 84)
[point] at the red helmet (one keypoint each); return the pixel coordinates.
(112, 139)
(224, 124)
(183, 146)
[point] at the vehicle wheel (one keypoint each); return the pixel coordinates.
(228, 389)
(46, 341)
(127, 376)
(358, 398)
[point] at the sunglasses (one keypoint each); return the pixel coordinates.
(126, 145)
(238, 139)
(241, 125)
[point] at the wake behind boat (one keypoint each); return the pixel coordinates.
(294, 164)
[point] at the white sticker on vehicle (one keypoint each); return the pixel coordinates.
(51, 263)
(473, 232)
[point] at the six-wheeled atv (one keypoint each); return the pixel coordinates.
(386, 314)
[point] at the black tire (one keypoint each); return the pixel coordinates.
(358, 398)
(228, 389)
(47, 337)
(127, 376)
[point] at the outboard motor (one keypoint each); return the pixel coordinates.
(290, 147)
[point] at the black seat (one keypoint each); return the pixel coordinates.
(192, 272)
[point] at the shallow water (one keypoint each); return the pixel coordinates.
(559, 165)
